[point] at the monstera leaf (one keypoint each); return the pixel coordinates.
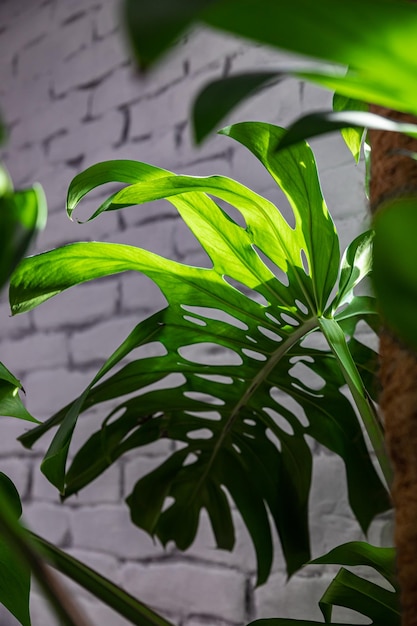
(380, 604)
(272, 290)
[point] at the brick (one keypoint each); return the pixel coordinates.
(106, 19)
(298, 599)
(49, 390)
(105, 489)
(154, 236)
(11, 428)
(53, 118)
(84, 305)
(213, 47)
(187, 589)
(107, 528)
(60, 230)
(140, 294)
(137, 467)
(100, 341)
(16, 326)
(18, 470)
(36, 351)
(86, 138)
(92, 64)
(49, 521)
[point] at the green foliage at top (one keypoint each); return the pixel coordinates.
(381, 60)
(271, 289)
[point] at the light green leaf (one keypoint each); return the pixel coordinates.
(353, 136)
(395, 259)
(265, 293)
(22, 214)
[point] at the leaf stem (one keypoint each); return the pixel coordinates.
(337, 342)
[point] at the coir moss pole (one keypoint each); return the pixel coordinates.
(393, 174)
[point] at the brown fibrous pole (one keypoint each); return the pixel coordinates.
(393, 175)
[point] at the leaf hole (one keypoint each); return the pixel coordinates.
(217, 378)
(279, 420)
(149, 350)
(278, 272)
(249, 422)
(216, 314)
(302, 307)
(246, 291)
(200, 433)
(203, 397)
(208, 415)
(236, 448)
(308, 376)
(195, 320)
(206, 353)
(168, 503)
(305, 263)
(285, 401)
(289, 319)
(190, 459)
(251, 339)
(273, 439)
(270, 334)
(316, 341)
(272, 318)
(252, 354)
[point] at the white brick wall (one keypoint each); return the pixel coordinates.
(71, 98)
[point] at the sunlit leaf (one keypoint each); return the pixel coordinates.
(353, 136)
(267, 291)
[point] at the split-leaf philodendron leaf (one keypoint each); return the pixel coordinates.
(239, 438)
(366, 597)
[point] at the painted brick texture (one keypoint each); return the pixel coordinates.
(70, 97)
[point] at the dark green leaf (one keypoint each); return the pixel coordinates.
(315, 124)
(153, 26)
(220, 97)
(353, 553)
(14, 573)
(395, 261)
(364, 597)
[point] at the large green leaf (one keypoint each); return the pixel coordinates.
(14, 572)
(267, 291)
(395, 277)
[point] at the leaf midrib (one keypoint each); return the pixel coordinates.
(260, 377)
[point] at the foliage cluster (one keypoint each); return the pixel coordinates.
(271, 290)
